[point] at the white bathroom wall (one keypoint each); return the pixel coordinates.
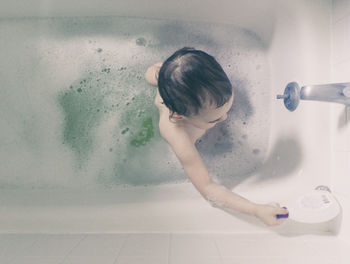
(340, 115)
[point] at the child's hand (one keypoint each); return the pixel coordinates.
(268, 214)
(151, 74)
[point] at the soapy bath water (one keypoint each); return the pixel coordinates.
(77, 111)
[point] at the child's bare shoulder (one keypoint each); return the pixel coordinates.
(178, 138)
(169, 131)
(173, 132)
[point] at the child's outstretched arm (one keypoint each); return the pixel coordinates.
(217, 195)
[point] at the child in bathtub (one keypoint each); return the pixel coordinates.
(193, 95)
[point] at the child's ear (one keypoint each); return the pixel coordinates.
(176, 116)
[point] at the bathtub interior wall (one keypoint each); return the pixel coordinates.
(239, 13)
(340, 115)
(60, 59)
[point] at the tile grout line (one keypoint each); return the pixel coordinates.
(13, 257)
(341, 61)
(217, 247)
(74, 247)
(121, 248)
(347, 14)
(170, 243)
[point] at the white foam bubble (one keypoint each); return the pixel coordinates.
(60, 56)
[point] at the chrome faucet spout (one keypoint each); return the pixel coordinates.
(333, 92)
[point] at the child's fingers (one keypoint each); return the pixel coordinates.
(280, 218)
(281, 211)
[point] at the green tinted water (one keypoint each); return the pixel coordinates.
(77, 111)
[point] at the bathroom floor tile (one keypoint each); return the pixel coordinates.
(194, 260)
(53, 245)
(99, 245)
(146, 245)
(89, 260)
(51, 248)
(37, 260)
(96, 248)
(261, 246)
(166, 248)
(277, 260)
(141, 260)
(193, 245)
(13, 244)
(334, 247)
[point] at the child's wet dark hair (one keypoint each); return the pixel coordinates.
(189, 78)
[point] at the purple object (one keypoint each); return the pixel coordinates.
(278, 216)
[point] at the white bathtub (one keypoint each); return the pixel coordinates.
(296, 35)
